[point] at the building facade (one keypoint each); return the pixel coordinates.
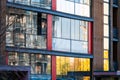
(61, 39)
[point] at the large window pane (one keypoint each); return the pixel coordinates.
(79, 46)
(70, 68)
(40, 64)
(57, 26)
(60, 44)
(106, 30)
(23, 29)
(83, 30)
(77, 7)
(106, 43)
(70, 30)
(65, 28)
(106, 8)
(77, 30)
(106, 19)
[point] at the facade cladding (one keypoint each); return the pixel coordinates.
(62, 39)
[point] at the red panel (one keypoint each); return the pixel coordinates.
(49, 32)
(90, 39)
(49, 46)
(53, 4)
(53, 67)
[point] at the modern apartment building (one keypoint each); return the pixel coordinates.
(59, 39)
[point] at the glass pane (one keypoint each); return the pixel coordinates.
(82, 10)
(83, 30)
(106, 65)
(106, 54)
(106, 8)
(65, 28)
(57, 26)
(65, 6)
(106, 43)
(10, 0)
(71, 67)
(61, 44)
(106, 30)
(106, 0)
(35, 3)
(106, 19)
(22, 1)
(77, 30)
(73, 29)
(79, 47)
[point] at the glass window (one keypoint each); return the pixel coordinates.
(60, 44)
(79, 46)
(10, 0)
(106, 8)
(69, 67)
(23, 29)
(106, 30)
(22, 2)
(77, 7)
(106, 0)
(106, 65)
(77, 30)
(83, 30)
(105, 54)
(40, 64)
(37, 3)
(106, 19)
(73, 31)
(106, 42)
(65, 28)
(57, 26)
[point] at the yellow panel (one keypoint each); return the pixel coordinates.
(86, 78)
(106, 54)
(106, 65)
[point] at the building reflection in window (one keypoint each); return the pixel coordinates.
(40, 64)
(37, 3)
(68, 67)
(73, 33)
(23, 29)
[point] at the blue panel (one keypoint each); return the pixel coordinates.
(42, 51)
(36, 9)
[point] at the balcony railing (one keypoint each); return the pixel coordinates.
(115, 34)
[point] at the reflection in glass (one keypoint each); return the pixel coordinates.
(23, 29)
(65, 28)
(77, 7)
(106, 8)
(106, 30)
(106, 65)
(69, 35)
(106, 43)
(61, 44)
(68, 66)
(37, 3)
(40, 64)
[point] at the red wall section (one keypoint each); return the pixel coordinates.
(53, 4)
(90, 39)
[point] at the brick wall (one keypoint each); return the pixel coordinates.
(97, 14)
(2, 30)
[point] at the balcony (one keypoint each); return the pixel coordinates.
(115, 34)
